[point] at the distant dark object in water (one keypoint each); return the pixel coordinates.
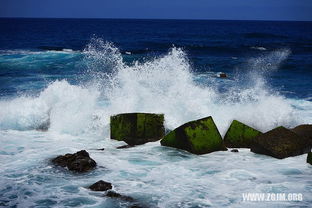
(101, 186)
(51, 48)
(125, 146)
(113, 194)
(100, 149)
(234, 150)
(78, 162)
(222, 75)
(309, 158)
(280, 143)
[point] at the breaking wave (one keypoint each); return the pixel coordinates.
(165, 84)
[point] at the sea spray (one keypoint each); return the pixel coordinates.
(165, 84)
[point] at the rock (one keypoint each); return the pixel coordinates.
(240, 135)
(78, 162)
(137, 128)
(198, 137)
(125, 146)
(280, 143)
(304, 131)
(113, 194)
(101, 186)
(309, 158)
(222, 75)
(234, 150)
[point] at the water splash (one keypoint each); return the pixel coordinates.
(165, 84)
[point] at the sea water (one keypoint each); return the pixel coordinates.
(70, 75)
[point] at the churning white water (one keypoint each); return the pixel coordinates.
(78, 118)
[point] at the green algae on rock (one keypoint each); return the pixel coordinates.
(280, 143)
(240, 135)
(309, 158)
(137, 128)
(198, 137)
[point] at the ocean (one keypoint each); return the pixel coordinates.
(71, 75)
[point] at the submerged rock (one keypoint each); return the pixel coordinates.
(137, 128)
(280, 143)
(198, 137)
(234, 150)
(113, 194)
(125, 146)
(101, 186)
(240, 135)
(309, 158)
(78, 162)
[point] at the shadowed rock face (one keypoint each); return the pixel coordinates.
(280, 143)
(240, 135)
(309, 158)
(113, 194)
(137, 128)
(101, 186)
(304, 131)
(78, 162)
(198, 137)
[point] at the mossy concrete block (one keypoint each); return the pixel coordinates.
(280, 143)
(309, 158)
(240, 135)
(198, 137)
(137, 128)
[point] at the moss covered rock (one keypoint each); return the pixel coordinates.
(309, 158)
(280, 143)
(240, 135)
(137, 128)
(198, 137)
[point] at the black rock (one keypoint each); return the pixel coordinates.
(234, 150)
(222, 75)
(280, 143)
(309, 158)
(113, 194)
(304, 130)
(78, 162)
(101, 186)
(125, 146)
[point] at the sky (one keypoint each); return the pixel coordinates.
(298, 10)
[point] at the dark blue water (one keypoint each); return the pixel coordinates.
(210, 46)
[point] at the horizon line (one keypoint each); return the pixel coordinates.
(195, 19)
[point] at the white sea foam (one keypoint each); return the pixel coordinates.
(165, 84)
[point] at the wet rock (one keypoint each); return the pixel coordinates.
(309, 158)
(222, 75)
(78, 162)
(240, 135)
(113, 194)
(125, 146)
(101, 186)
(137, 128)
(198, 137)
(100, 149)
(280, 143)
(234, 150)
(304, 130)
